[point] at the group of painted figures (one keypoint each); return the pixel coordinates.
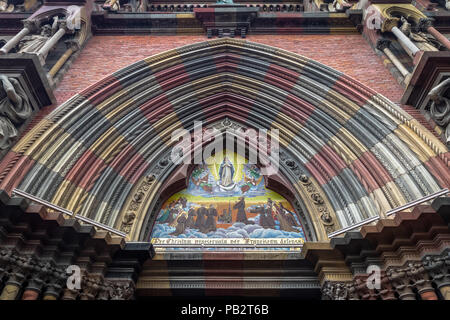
(176, 216)
(203, 218)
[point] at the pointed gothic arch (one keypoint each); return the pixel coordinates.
(348, 151)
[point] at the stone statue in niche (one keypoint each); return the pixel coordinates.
(111, 5)
(18, 5)
(35, 42)
(443, 3)
(14, 109)
(440, 107)
(422, 40)
(5, 6)
(126, 6)
(339, 6)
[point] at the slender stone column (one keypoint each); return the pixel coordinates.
(425, 26)
(405, 42)
(29, 26)
(30, 295)
(43, 52)
(386, 292)
(437, 269)
(12, 287)
(425, 289)
(53, 292)
(56, 286)
(383, 45)
(10, 291)
(33, 289)
(400, 282)
(445, 291)
(416, 272)
(70, 294)
(72, 46)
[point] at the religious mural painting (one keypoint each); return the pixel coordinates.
(226, 202)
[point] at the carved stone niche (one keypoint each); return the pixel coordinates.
(29, 82)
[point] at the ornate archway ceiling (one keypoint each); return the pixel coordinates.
(347, 150)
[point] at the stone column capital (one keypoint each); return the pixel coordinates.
(400, 282)
(91, 284)
(424, 24)
(62, 25)
(389, 23)
(72, 44)
(436, 266)
(383, 43)
(31, 24)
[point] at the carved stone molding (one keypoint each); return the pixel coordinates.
(41, 274)
(339, 291)
(133, 208)
(438, 269)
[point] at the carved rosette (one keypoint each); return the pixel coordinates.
(389, 23)
(314, 197)
(141, 195)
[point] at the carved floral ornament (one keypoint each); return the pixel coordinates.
(414, 276)
(309, 199)
(43, 273)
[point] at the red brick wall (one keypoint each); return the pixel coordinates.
(350, 54)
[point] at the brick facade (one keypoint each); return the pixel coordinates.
(350, 54)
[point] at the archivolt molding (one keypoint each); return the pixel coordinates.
(314, 210)
(363, 154)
